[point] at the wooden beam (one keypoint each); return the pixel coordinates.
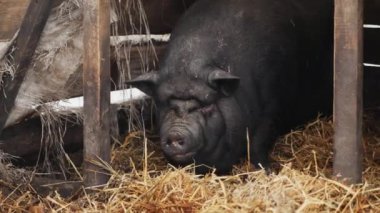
(348, 68)
(96, 90)
(26, 43)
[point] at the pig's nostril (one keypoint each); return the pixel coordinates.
(169, 141)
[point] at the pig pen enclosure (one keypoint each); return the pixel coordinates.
(41, 141)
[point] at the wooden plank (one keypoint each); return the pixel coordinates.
(348, 58)
(11, 13)
(24, 139)
(96, 89)
(26, 43)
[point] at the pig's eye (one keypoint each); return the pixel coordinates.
(207, 110)
(175, 109)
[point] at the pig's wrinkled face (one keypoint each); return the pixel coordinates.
(198, 117)
(191, 123)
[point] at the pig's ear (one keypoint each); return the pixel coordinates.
(146, 82)
(223, 81)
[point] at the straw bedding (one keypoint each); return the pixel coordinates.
(303, 182)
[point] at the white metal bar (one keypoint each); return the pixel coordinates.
(137, 39)
(371, 65)
(75, 104)
(373, 26)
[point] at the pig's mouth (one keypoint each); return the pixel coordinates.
(183, 157)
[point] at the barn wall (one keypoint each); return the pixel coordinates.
(161, 15)
(372, 36)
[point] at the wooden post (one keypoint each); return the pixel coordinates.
(29, 34)
(348, 68)
(96, 90)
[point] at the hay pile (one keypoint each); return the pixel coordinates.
(302, 184)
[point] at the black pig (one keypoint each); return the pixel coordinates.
(234, 66)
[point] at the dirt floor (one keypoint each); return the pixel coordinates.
(303, 183)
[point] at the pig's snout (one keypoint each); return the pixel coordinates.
(179, 146)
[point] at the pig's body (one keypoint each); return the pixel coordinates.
(237, 65)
